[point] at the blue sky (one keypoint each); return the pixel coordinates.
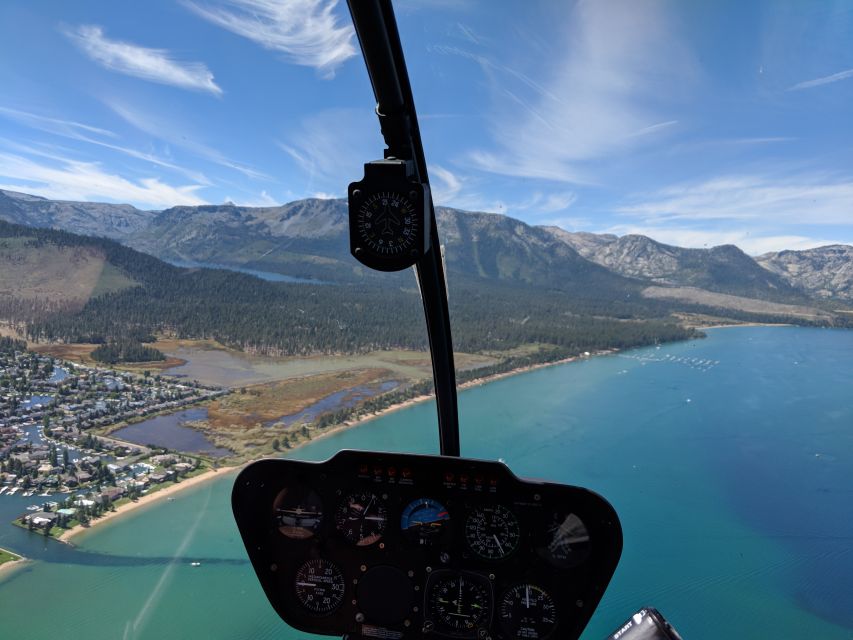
(697, 123)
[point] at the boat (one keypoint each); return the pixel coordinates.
(3, 490)
(13, 491)
(33, 507)
(195, 564)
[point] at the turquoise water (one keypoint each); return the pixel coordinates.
(737, 506)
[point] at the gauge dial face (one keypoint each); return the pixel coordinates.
(492, 532)
(459, 604)
(361, 518)
(566, 541)
(319, 587)
(527, 612)
(298, 512)
(424, 521)
(388, 223)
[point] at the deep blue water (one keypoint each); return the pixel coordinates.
(729, 460)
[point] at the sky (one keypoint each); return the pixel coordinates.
(696, 123)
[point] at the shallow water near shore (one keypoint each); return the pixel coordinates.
(729, 460)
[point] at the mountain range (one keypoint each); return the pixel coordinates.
(308, 239)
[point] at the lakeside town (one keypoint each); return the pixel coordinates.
(49, 413)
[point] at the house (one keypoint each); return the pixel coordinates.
(42, 518)
(112, 493)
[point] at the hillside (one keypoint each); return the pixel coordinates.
(248, 313)
(824, 272)
(604, 274)
(722, 269)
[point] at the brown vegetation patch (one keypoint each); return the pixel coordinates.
(267, 402)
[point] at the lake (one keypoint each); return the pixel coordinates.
(170, 431)
(729, 460)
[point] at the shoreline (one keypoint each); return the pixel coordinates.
(66, 536)
(11, 565)
(475, 382)
(210, 474)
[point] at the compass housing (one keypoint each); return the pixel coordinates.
(389, 216)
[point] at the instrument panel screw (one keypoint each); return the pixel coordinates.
(491, 576)
(429, 569)
(417, 588)
(413, 195)
(363, 568)
(444, 557)
(578, 603)
(407, 623)
(411, 573)
(381, 545)
(415, 609)
(273, 567)
(359, 617)
(537, 497)
(356, 193)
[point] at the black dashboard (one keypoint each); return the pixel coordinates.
(386, 545)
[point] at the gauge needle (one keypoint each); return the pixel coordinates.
(498, 542)
(527, 596)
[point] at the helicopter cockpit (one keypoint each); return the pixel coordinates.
(382, 545)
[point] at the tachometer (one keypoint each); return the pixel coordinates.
(527, 612)
(459, 604)
(492, 532)
(566, 542)
(361, 518)
(319, 587)
(424, 520)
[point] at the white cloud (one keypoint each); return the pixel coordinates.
(753, 243)
(445, 185)
(612, 63)
(57, 126)
(817, 82)
(156, 65)
(306, 31)
(332, 146)
(167, 130)
(813, 199)
(68, 179)
(78, 131)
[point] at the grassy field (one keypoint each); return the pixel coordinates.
(7, 556)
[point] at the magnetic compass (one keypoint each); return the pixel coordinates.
(388, 216)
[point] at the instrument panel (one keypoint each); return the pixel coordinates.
(387, 545)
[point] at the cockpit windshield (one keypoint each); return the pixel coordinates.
(608, 258)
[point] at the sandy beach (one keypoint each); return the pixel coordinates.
(66, 536)
(7, 567)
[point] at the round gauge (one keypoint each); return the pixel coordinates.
(566, 541)
(298, 512)
(361, 518)
(459, 604)
(424, 520)
(387, 223)
(319, 587)
(492, 532)
(527, 612)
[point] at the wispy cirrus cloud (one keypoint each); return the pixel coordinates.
(64, 178)
(818, 198)
(168, 131)
(599, 97)
(331, 147)
(49, 124)
(154, 65)
(307, 32)
(817, 82)
(87, 133)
